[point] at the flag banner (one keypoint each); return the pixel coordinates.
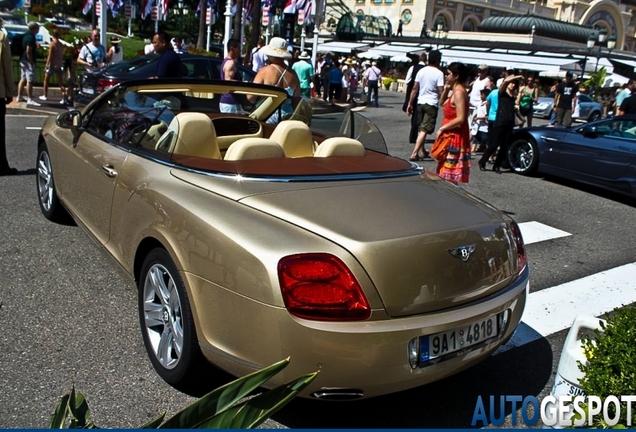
(290, 7)
(146, 8)
(114, 6)
(289, 25)
(304, 6)
(87, 6)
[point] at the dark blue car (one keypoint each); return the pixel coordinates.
(600, 153)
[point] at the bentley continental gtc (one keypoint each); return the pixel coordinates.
(281, 231)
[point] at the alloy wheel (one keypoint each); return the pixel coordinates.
(45, 181)
(163, 316)
(521, 156)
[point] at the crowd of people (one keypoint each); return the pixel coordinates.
(478, 113)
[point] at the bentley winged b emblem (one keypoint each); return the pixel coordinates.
(463, 252)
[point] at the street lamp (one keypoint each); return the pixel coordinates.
(441, 32)
(180, 6)
(591, 41)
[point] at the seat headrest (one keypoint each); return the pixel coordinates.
(340, 146)
(195, 136)
(253, 148)
(295, 137)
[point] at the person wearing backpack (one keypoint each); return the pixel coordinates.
(527, 97)
(27, 63)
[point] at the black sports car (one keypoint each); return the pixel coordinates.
(601, 153)
(92, 84)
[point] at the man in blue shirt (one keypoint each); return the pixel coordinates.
(169, 64)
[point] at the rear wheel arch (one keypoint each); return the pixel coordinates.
(144, 248)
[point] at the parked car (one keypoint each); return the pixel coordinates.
(194, 66)
(589, 109)
(601, 153)
(251, 241)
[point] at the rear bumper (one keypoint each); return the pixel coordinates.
(370, 356)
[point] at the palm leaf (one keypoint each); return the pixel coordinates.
(58, 419)
(154, 424)
(255, 411)
(222, 398)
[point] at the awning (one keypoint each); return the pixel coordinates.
(615, 80)
(393, 49)
(342, 47)
(630, 63)
(524, 62)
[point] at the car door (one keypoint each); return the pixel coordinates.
(89, 171)
(601, 150)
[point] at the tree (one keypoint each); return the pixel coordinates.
(596, 81)
(202, 38)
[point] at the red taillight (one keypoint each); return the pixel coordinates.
(104, 84)
(319, 286)
(522, 259)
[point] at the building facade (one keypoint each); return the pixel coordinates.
(617, 18)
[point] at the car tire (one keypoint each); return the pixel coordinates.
(166, 321)
(523, 156)
(50, 204)
(594, 116)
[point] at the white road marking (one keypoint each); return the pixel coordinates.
(553, 309)
(535, 232)
(33, 128)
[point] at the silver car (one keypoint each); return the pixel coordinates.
(589, 109)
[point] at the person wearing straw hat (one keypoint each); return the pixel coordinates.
(279, 74)
(305, 71)
(116, 52)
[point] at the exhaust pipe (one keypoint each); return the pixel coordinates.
(338, 394)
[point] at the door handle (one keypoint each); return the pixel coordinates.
(109, 170)
(630, 149)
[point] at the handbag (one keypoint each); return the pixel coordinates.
(442, 143)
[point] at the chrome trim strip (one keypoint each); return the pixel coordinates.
(548, 138)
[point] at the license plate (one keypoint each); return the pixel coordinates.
(441, 344)
(87, 90)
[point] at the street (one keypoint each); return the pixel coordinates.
(69, 317)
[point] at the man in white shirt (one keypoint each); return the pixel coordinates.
(93, 54)
(371, 78)
(410, 82)
(481, 82)
(427, 88)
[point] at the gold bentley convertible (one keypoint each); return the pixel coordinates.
(272, 232)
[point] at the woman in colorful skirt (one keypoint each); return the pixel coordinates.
(454, 101)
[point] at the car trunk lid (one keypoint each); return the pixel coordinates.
(425, 244)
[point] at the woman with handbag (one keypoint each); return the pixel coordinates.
(501, 131)
(452, 146)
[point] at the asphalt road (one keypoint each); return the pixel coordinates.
(69, 317)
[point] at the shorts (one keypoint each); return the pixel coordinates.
(54, 69)
(427, 115)
(27, 71)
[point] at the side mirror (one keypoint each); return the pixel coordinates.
(589, 130)
(69, 120)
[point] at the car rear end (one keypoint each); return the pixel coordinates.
(93, 83)
(386, 286)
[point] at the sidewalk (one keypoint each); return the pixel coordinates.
(50, 106)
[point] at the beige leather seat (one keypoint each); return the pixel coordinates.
(294, 137)
(340, 146)
(253, 148)
(191, 134)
